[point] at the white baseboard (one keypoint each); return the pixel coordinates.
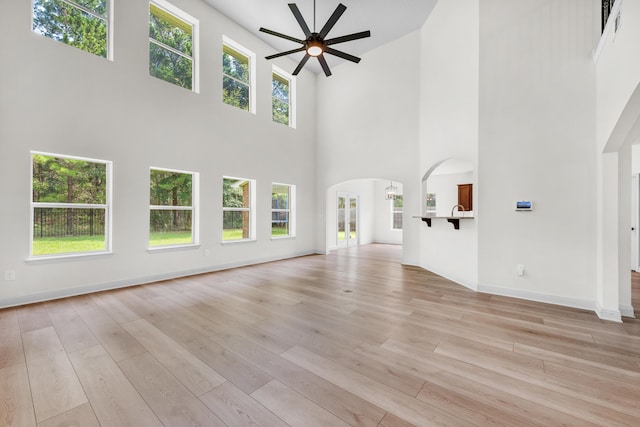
(98, 287)
(627, 311)
(611, 315)
(535, 296)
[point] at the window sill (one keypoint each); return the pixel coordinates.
(234, 242)
(282, 237)
(172, 248)
(66, 256)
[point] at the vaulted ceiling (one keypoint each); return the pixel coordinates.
(386, 19)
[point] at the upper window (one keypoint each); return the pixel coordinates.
(238, 216)
(282, 208)
(238, 76)
(81, 23)
(283, 97)
(172, 210)
(396, 213)
(70, 205)
(173, 45)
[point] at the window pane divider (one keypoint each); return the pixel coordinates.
(170, 49)
(85, 10)
(68, 205)
(170, 208)
(237, 80)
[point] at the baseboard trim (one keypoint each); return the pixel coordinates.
(627, 311)
(99, 287)
(538, 297)
(610, 315)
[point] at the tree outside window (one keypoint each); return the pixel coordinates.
(171, 45)
(70, 205)
(282, 206)
(237, 209)
(80, 23)
(397, 205)
(280, 99)
(236, 77)
(171, 211)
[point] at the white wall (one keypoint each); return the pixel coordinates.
(368, 127)
(537, 139)
(449, 129)
(58, 99)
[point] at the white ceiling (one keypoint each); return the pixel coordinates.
(387, 20)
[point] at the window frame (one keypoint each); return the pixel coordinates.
(251, 210)
(194, 208)
(107, 206)
(291, 211)
(195, 40)
(292, 94)
(108, 19)
(394, 210)
(251, 56)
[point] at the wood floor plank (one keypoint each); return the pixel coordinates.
(293, 408)
(115, 401)
(71, 329)
(107, 331)
(54, 385)
(81, 416)
(346, 406)
(32, 317)
(16, 407)
(236, 408)
(385, 397)
(191, 371)
(168, 398)
(11, 350)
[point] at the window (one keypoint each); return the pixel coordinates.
(283, 97)
(396, 212)
(238, 76)
(431, 203)
(282, 209)
(173, 45)
(84, 24)
(173, 208)
(238, 217)
(70, 205)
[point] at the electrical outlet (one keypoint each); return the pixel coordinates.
(207, 252)
(520, 269)
(9, 275)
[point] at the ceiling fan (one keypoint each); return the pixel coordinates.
(315, 44)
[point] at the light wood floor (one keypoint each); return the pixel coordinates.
(352, 338)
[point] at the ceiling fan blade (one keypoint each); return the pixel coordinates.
(325, 66)
(301, 64)
(283, 36)
(332, 20)
(300, 19)
(354, 36)
(289, 52)
(342, 55)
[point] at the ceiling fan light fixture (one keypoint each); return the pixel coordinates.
(315, 48)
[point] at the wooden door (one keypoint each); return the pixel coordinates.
(465, 196)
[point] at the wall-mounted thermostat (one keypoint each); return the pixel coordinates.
(524, 205)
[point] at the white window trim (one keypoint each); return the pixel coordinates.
(108, 20)
(195, 38)
(292, 93)
(291, 210)
(252, 69)
(251, 209)
(194, 208)
(108, 208)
